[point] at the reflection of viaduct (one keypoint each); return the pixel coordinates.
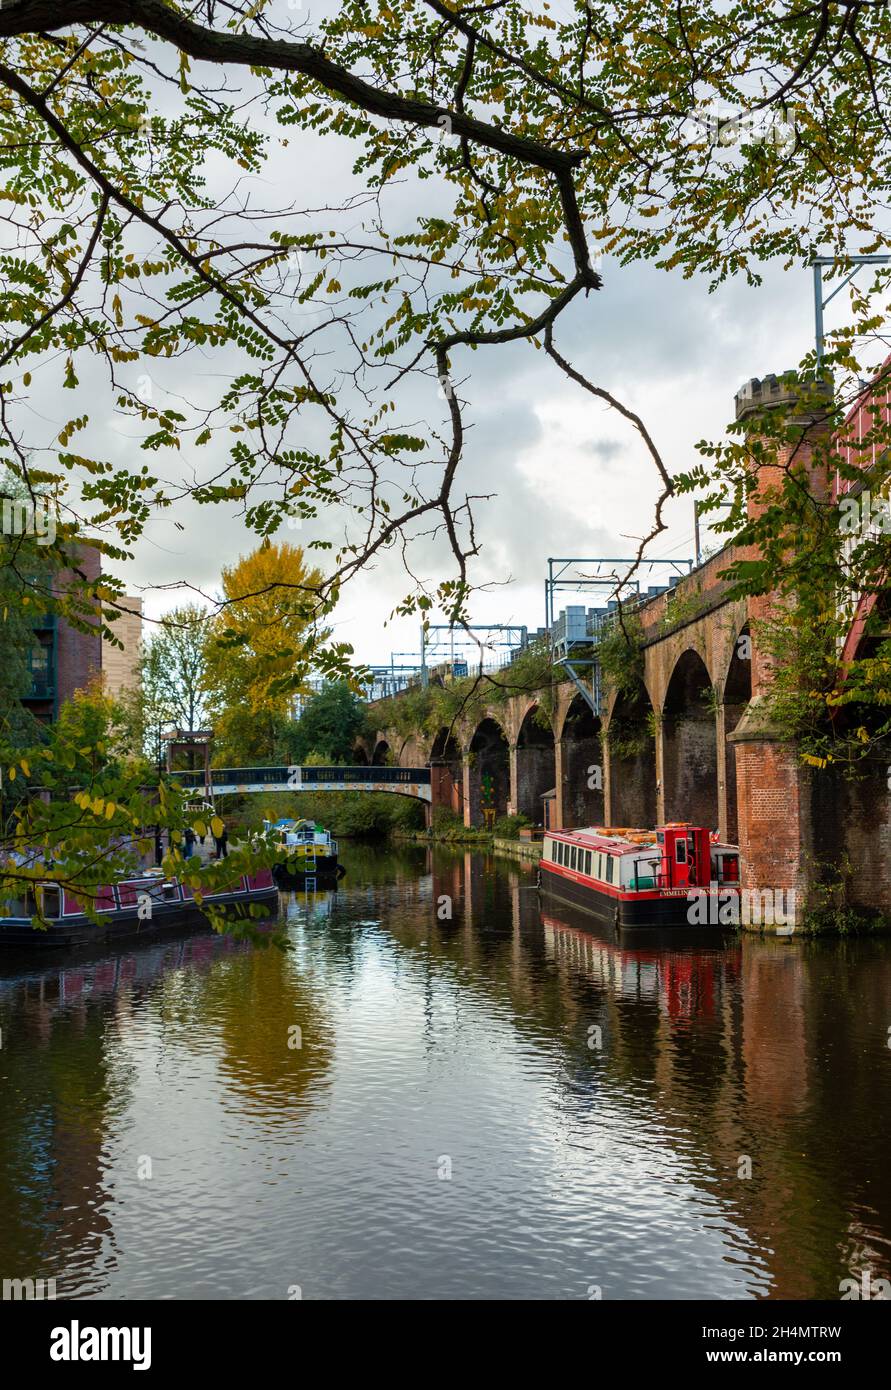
(688, 740)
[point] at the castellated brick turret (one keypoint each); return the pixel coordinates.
(774, 800)
(807, 422)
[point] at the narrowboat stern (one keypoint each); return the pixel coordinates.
(311, 853)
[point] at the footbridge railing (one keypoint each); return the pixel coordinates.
(403, 781)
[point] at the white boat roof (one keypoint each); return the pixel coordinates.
(615, 839)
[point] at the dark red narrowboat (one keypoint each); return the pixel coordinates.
(134, 907)
(674, 876)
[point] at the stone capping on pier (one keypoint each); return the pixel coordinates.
(772, 390)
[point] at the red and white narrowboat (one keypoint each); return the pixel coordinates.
(674, 876)
(133, 907)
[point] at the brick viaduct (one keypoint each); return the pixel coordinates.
(693, 741)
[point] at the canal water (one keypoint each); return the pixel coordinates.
(444, 1090)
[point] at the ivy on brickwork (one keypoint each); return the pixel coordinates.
(808, 479)
(682, 606)
(621, 655)
(444, 706)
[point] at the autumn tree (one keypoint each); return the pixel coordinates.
(264, 639)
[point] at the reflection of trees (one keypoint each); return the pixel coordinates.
(268, 1000)
(63, 1085)
(56, 1099)
(241, 1012)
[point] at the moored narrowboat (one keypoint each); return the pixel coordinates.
(133, 907)
(673, 876)
(310, 849)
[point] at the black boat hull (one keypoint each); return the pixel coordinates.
(651, 913)
(125, 924)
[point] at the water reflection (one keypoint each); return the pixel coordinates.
(442, 1090)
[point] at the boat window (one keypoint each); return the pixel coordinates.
(51, 903)
(588, 862)
(573, 854)
(680, 851)
(610, 868)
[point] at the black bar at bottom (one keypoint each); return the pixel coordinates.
(231, 1336)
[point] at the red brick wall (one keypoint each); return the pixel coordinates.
(852, 834)
(774, 821)
(78, 654)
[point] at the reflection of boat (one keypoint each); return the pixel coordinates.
(311, 852)
(105, 967)
(675, 876)
(133, 907)
(681, 972)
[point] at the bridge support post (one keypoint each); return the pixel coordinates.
(774, 792)
(470, 791)
(721, 745)
(660, 770)
(775, 830)
(443, 788)
(513, 804)
(561, 780)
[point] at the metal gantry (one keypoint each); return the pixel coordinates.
(572, 636)
(820, 303)
(575, 633)
(389, 680)
(448, 643)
